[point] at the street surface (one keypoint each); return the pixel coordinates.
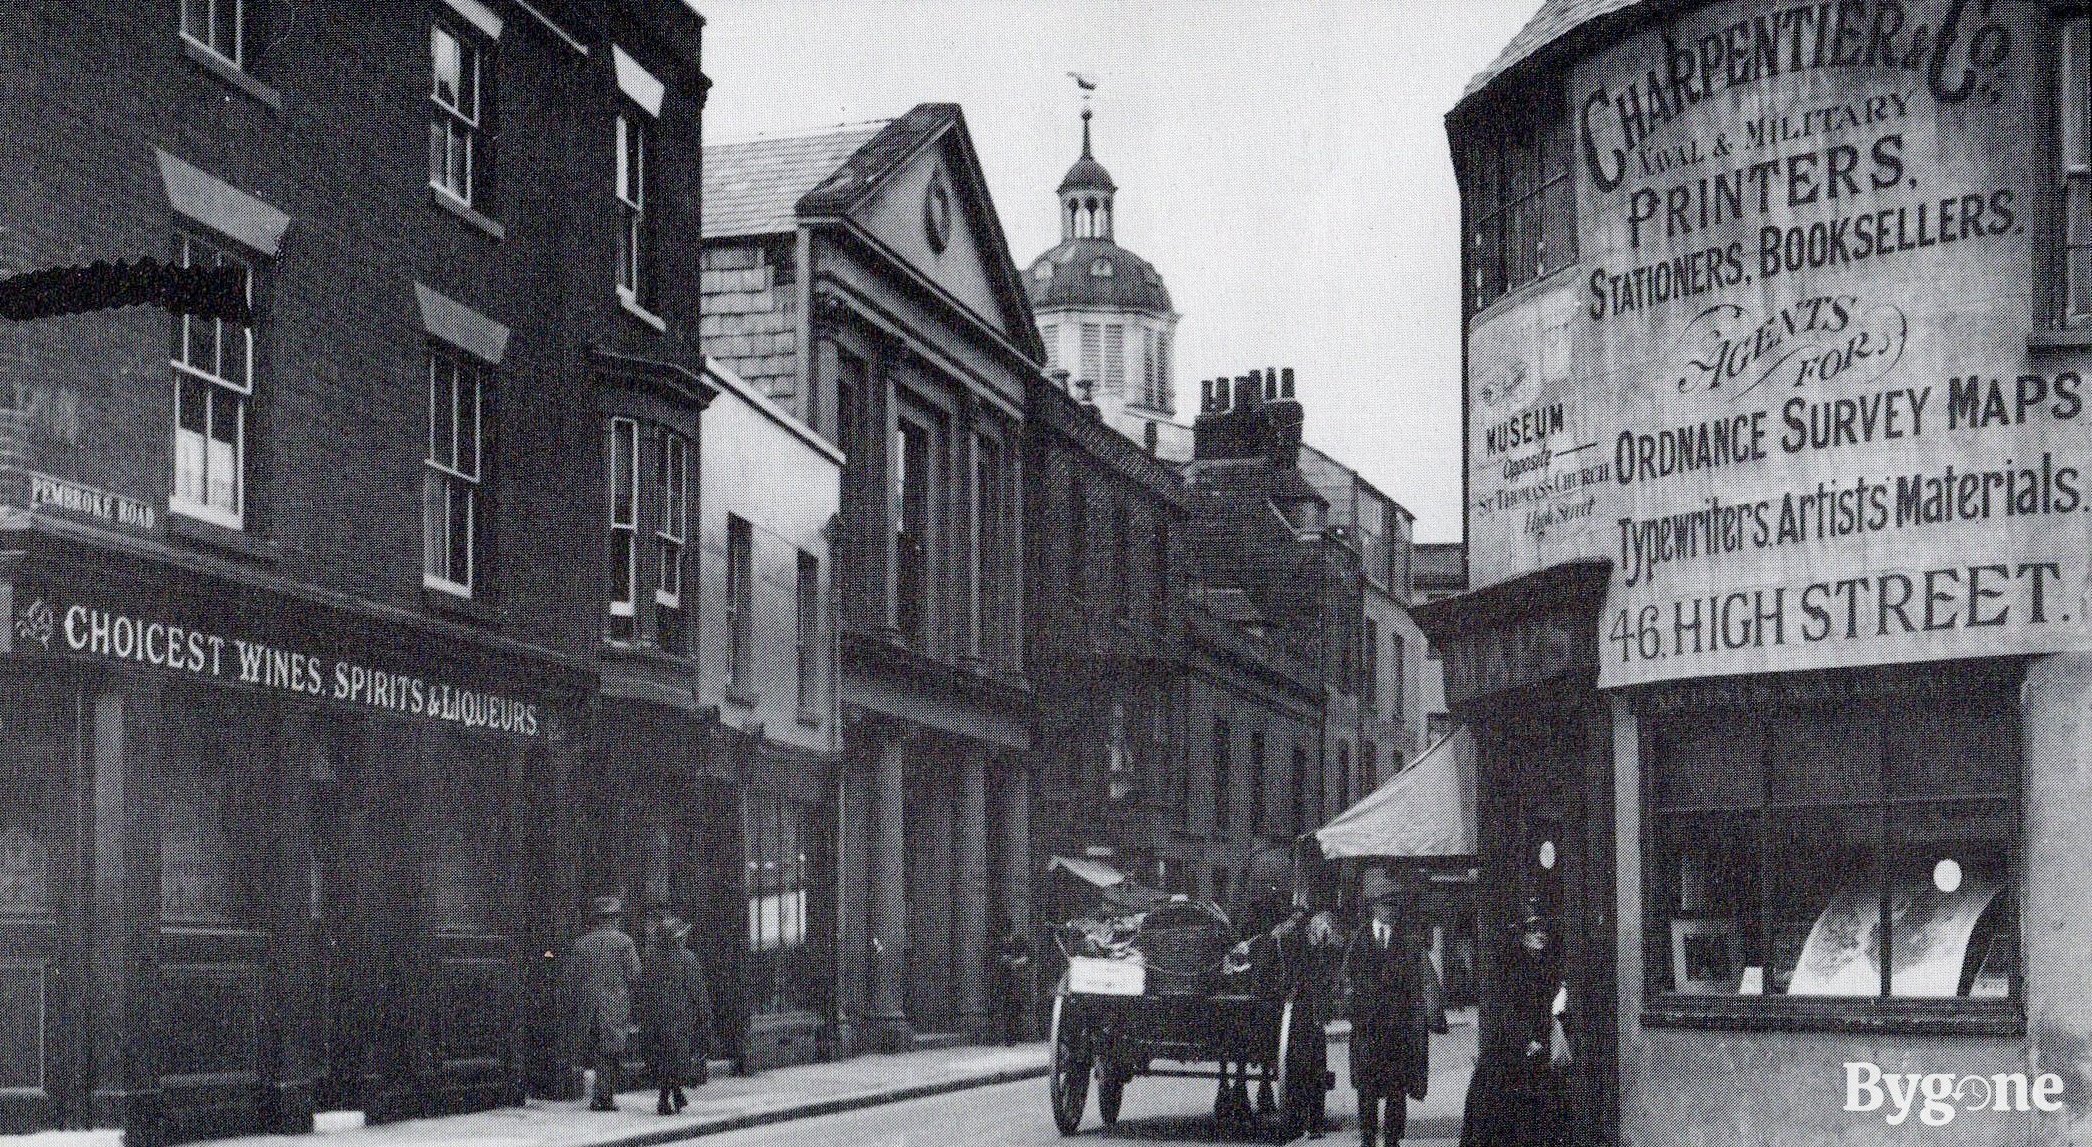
(1156, 1111)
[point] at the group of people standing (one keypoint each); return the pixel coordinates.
(1519, 1094)
(615, 988)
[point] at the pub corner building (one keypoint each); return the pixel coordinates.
(1779, 656)
(302, 607)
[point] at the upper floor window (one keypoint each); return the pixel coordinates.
(1256, 782)
(218, 26)
(1113, 380)
(913, 468)
(1519, 200)
(1078, 534)
(634, 240)
(214, 372)
(2074, 120)
(456, 143)
(807, 631)
(1369, 666)
(451, 483)
(1158, 585)
(672, 498)
(992, 479)
(1122, 558)
(624, 528)
(1050, 334)
(1222, 777)
(1396, 673)
(740, 601)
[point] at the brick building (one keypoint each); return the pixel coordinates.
(858, 276)
(1102, 518)
(298, 658)
(1262, 637)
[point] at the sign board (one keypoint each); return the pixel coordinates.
(1090, 975)
(1806, 417)
(196, 644)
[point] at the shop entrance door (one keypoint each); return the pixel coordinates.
(345, 1017)
(41, 1028)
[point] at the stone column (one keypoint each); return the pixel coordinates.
(888, 1016)
(1016, 847)
(970, 902)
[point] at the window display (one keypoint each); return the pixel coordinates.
(1858, 850)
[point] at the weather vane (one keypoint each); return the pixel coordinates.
(1087, 85)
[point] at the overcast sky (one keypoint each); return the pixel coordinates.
(1282, 164)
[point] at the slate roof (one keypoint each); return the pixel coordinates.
(754, 187)
(1555, 19)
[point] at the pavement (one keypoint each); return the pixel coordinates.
(727, 1103)
(731, 1103)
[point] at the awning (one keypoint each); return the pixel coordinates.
(1426, 810)
(1120, 891)
(1090, 871)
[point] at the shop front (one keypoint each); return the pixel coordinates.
(260, 857)
(1521, 676)
(1793, 339)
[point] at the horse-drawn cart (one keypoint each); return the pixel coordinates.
(1178, 997)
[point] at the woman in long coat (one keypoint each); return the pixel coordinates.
(1393, 1005)
(675, 1014)
(1519, 1096)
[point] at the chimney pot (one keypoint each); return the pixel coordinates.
(1285, 386)
(1271, 384)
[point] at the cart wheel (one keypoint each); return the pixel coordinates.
(1068, 1083)
(1111, 1090)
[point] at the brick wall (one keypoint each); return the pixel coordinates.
(339, 418)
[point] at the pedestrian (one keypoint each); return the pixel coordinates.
(1393, 1012)
(1519, 1096)
(1012, 981)
(600, 974)
(674, 1008)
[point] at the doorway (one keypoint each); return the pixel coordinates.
(40, 1028)
(344, 1015)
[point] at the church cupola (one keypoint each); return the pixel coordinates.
(1086, 195)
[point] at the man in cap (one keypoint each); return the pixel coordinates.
(1392, 990)
(600, 974)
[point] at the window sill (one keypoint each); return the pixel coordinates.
(1822, 1014)
(231, 74)
(649, 654)
(445, 602)
(466, 212)
(2069, 338)
(631, 307)
(737, 696)
(809, 718)
(189, 528)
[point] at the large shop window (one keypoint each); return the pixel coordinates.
(464, 830)
(38, 752)
(782, 971)
(1782, 837)
(211, 856)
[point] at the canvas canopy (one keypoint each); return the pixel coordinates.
(1426, 810)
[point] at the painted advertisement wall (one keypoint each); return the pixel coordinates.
(1538, 477)
(1799, 415)
(1807, 292)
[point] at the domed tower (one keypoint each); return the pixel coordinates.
(1105, 315)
